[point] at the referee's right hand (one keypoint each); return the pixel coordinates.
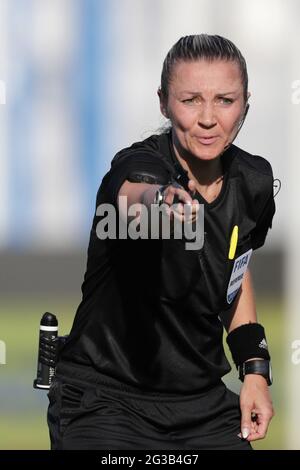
(177, 198)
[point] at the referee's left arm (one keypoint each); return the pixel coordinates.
(255, 398)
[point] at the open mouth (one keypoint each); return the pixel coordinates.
(207, 140)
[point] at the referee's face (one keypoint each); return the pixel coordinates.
(205, 105)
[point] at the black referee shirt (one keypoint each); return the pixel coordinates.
(149, 315)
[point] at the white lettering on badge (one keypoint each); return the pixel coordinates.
(237, 274)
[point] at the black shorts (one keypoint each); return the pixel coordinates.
(102, 417)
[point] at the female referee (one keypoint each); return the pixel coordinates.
(142, 367)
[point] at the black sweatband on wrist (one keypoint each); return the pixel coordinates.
(247, 342)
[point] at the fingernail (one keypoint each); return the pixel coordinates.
(245, 433)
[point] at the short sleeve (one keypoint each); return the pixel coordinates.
(264, 223)
(135, 163)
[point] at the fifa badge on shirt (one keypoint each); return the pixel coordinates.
(237, 274)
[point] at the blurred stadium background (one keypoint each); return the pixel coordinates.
(80, 83)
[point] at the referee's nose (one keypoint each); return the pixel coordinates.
(207, 116)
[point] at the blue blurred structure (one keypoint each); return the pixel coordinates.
(91, 63)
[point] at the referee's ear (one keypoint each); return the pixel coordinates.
(162, 103)
(247, 105)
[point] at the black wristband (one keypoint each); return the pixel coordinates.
(246, 342)
(259, 366)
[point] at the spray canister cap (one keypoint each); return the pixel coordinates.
(49, 319)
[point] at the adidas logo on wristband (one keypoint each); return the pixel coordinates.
(263, 344)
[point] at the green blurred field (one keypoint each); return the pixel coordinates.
(23, 409)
